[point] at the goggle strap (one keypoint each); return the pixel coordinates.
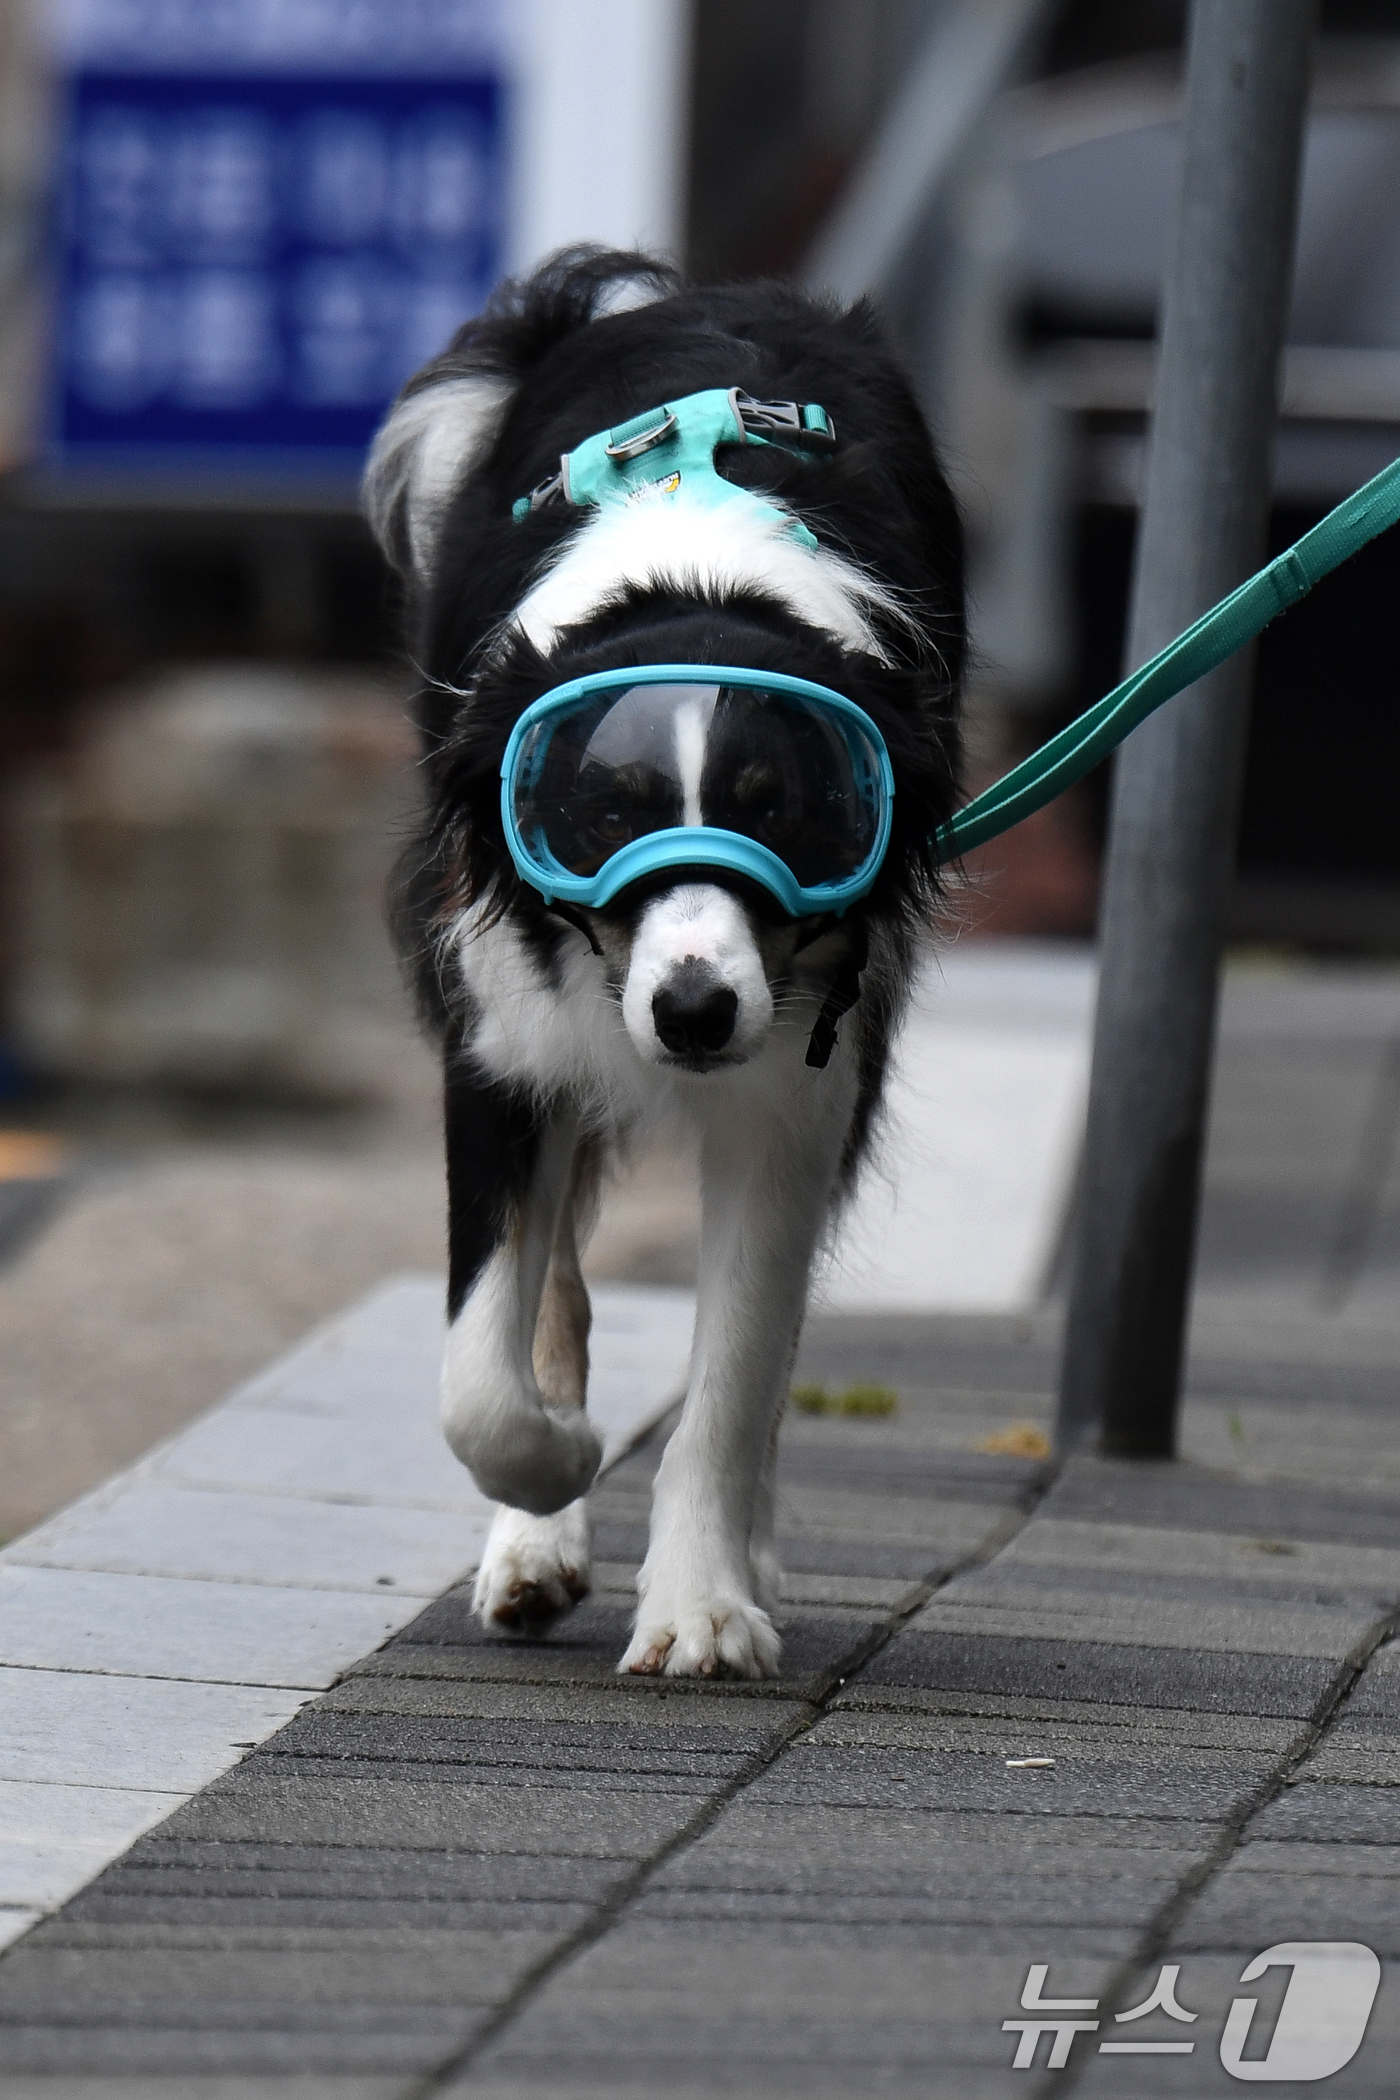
(573, 916)
(841, 997)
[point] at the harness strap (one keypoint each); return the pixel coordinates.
(1236, 620)
(665, 449)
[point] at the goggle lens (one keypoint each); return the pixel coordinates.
(794, 776)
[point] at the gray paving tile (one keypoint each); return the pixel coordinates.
(870, 1592)
(100, 1917)
(359, 1937)
(1201, 1786)
(1123, 1674)
(1363, 1760)
(1302, 1856)
(401, 1970)
(814, 1654)
(855, 1463)
(332, 1739)
(156, 1527)
(1038, 1728)
(1262, 1909)
(65, 1727)
(156, 1626)
(860, 1556)
(432, 1817)
(450, 1622)
(554, 1776)
(1246, 1594)
(997, 1356)
(1257, 1732)
(1374, 1731)
(584, 1647)
(1378, 1691)
(910, 2029)
(187, 1867)
(701, 1710)
(930, 1533)
(1199, 1561)
(800, 1846)
(1352, 1814)
(344, 2086)
(1184, 1497)
(600, 2079)
(986, 1892)
(912, 2033)
(1231, 1627)
(189, 2043)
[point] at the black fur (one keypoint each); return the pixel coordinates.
(493, 1136)
(880, 498)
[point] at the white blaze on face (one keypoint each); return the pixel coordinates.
(692, 724)
(696, 922)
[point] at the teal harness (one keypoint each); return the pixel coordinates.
(665, 450)
(669, 449)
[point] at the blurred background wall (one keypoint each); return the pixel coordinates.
(229, 232)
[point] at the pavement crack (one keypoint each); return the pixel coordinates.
(1157, 1938)
(614, 1909)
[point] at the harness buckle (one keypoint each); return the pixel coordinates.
(547, 491)
(794, 421)
(634, 447)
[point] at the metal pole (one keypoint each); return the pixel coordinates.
(1177, 785)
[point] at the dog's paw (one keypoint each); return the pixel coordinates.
(721, 1637)
(533, 1569)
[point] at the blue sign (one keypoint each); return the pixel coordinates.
(262, 235)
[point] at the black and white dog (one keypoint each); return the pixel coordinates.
(567, 1031)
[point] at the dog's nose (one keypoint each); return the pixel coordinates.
(693, 1013)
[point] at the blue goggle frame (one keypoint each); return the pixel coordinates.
(692, 845)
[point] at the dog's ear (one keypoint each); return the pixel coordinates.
(434, 436)
(447, 418)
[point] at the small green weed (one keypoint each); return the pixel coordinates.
(1235, 1426)
(855, 1400)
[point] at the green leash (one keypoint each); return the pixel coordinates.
(1216, 635)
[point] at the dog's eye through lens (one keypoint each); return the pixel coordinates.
(798, 777)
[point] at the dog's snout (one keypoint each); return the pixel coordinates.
(696, 995)
(693, 1012)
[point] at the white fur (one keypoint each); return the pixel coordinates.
(666, 543)
(571, 1040)
(623, 295)
(423, 451)
(696, 922)
(534, 1567)
(517, 1448)
(692, 726)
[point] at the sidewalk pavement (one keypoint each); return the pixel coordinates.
(489, 1866)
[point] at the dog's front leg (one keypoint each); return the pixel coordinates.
(767, 1189)
(508, 1167)
(534, 1568)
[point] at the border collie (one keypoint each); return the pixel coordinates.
(568, 1030)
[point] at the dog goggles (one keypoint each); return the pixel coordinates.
(618, 776)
